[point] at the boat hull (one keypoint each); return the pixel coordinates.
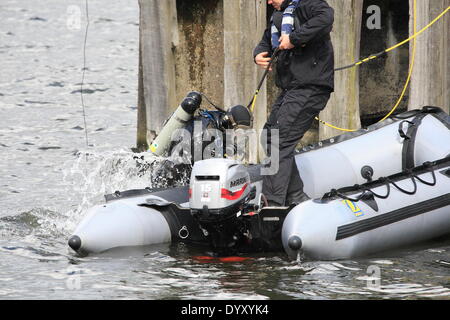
(147, 217)
(343, 229)
(121, 224)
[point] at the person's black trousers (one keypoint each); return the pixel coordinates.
(292, 114)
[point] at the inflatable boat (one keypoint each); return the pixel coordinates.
(380, 188)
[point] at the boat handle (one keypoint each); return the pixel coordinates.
(400, 129)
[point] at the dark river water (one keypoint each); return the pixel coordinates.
(47, 183)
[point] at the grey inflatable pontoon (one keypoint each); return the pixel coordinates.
(389, 213)
(398, 173)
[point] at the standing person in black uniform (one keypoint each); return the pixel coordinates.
(305, 74)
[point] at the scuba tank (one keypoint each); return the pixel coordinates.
(178, 120)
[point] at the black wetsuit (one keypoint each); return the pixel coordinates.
(306, 76)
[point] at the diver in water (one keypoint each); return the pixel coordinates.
(300, 29)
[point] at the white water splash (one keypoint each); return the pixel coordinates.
(95, 174)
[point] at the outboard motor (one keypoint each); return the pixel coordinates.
(219, 191)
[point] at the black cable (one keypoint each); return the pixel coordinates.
(212, 104)
(261, 82)
(371, 57)
(84, 72)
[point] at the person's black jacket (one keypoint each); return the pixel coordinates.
(311, 62)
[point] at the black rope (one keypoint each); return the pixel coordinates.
(388, 193)
(369, 192)
(411, 193)
(430, 169)
(431, 184)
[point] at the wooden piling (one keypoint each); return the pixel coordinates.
(209, 49)
(430, 82)
(343, 108)
(199, 54)
(158, 34)
(244, 24)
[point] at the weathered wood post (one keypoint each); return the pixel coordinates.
(199, 54)
(158, 34)
(343, 108)
(430, 82)
(244, 24)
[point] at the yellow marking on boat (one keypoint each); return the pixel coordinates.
(355, 209)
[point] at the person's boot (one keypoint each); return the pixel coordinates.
(297, 198)
(271, 203)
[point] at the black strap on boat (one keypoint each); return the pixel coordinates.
(408, 160)
(400, 129)
(416, 112)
